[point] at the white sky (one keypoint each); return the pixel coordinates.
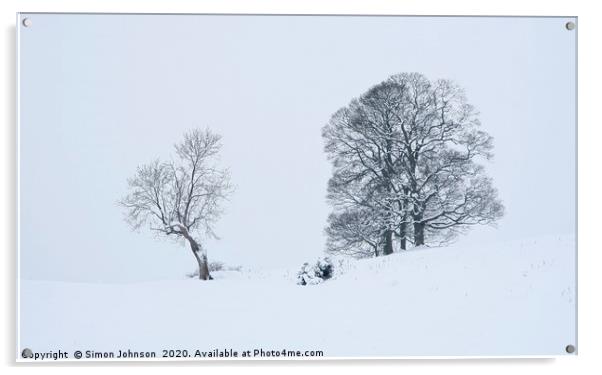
(102, 94)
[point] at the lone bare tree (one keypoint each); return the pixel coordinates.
(409, 151)
(182, 197)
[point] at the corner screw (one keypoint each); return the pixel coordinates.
(26, 22)
(570, 349)
(570, 25)
(27, 353)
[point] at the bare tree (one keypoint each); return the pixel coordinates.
(362, 143)
(181, 198)
(410, 149)
(441, 148)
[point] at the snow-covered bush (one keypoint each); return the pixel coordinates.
(312, 274)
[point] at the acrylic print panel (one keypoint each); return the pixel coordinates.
(300, 187)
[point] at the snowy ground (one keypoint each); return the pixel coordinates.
(514, 298)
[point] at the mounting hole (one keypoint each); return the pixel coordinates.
(570, 349)
(26, 22)
(570, 25)
(27, 353)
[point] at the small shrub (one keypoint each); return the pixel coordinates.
(317, 273)
(215, 266)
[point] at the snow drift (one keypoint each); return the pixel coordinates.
(514, 298)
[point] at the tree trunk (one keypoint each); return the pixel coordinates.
(402, 235)
(403, 226)
(201, 258)
(388, 249)
(418, 233)
(418, 224)
(203, 266)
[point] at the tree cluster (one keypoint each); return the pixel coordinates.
(406, 159)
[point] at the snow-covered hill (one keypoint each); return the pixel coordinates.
(515, 298)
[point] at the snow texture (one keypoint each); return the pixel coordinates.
(514, 298)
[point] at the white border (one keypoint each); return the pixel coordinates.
(18, 156)
(590, 183)
(22, 15)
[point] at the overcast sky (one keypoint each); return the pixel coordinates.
(101, 94)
